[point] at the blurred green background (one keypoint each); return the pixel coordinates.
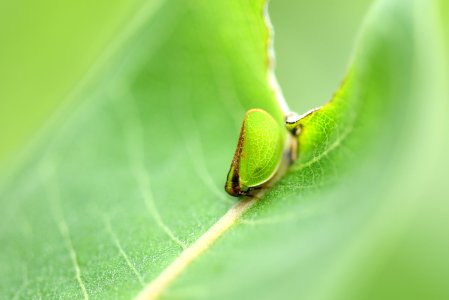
(48, 47)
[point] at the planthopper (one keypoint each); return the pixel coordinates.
(265, 149)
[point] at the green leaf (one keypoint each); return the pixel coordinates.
(46, 50)
(137, 172)
(351, 220)
(134, 176)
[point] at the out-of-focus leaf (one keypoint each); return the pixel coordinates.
(136, 173)
(46, 49)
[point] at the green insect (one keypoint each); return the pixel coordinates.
(262, 147)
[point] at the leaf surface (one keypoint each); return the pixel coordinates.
(135, 175)
(137, 172)
(356, 217)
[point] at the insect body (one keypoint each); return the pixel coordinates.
(260, 150)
